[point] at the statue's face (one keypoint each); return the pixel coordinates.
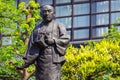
(47, 13)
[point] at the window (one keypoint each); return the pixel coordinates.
(100, 6)
(6, 32)
(66, 21)
(63, 10)
(6, 40)
(43, 2)
(16, 2)
(115, 5)
(63, 1)
(69, 33)
(26, 1)
(114, 17)
(100, 19)
(81, 33)
(81, 9)
(118, 28)
(99, 31)
(80, 0)
(81, 21)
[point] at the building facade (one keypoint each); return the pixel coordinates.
(84, 19)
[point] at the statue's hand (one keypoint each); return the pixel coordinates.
(50, 41)
(20, 67)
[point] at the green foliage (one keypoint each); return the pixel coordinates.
(96, 61)
(8, 62)
(18, 23)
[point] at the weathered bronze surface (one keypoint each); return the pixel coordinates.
(47, 46)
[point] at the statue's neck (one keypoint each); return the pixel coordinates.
(48, 22)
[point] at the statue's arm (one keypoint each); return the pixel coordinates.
(32, 52)
(63, 40)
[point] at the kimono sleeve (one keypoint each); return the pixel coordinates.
(32, 52)
(62, 41)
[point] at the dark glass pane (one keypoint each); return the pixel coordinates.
(65, 21)
(26, 1)
(82, 8)
(115, 5)
(80, 0)
(99, 32)
(118, 28)
(114, 17)
(6, 40)
(100, 19)
(63, 1)
(100, 6)
(16, 2)
(69, 33)
(43, 2)
(63, 10)
(81, 21)
(82, 33)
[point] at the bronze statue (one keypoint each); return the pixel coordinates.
(47, 46)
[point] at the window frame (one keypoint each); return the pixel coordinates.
(90, 27)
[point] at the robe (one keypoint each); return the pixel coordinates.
(48, 58)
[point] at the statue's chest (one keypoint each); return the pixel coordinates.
(50, 30)
(45, 29)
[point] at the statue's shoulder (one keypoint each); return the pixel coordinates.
(38, 26)
(59, 24)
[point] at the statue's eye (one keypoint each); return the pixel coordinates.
(49, 10)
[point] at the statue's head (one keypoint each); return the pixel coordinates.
(47, 13)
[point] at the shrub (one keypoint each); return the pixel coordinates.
(95, 61)
(17, 23)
